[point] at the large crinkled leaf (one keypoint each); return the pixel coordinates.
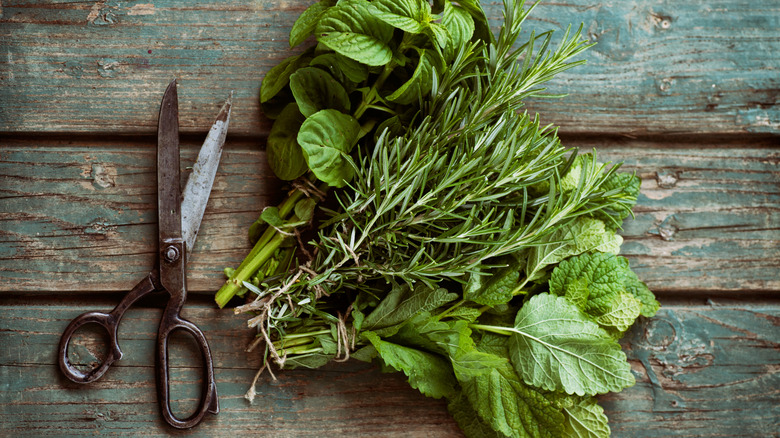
(554, 346)
(315, 89)
(628, 185)
(582, 235)
(429, 373)
(603, 275)
(306, 23)
(284, 154)
(403, 302)
(470, 423)
(351, 29)
(507, 404)
(326, 139)
(410, 16)
(586, 419)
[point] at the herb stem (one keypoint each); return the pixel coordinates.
(492, 329)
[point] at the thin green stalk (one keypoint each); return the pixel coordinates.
(506, 331)
(263, 250)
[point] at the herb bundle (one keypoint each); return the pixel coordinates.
(435, 226)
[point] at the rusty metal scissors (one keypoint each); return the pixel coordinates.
(179, 217)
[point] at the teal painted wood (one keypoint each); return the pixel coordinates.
(659, 66)
(80, 216)
(702, 370)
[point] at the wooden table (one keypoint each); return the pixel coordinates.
(686, 93)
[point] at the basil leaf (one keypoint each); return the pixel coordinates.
(326, 138)
(314, 89)
(481, 24)
(350, 28)
(307, 21)
(419, 85)
(279, 76)
(412, 16)
(403, 302)
(439, 34)
(304, 209)
(556, 347)
(283, 152)
(341, 67)
(459, 23)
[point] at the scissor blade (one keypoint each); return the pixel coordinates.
(198, 188)
(168, 188)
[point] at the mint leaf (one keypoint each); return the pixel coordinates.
(279, 76)
(603, 276)
(351, 29)
(284, 154)
(411, 16)
(314, 90)
(640, 291)
(307, 21)
(556, 347)
(427, 372)
(342, 68)
(419, 85)
(586, 419)
(326, 138)
(628, 185)
(583, 235)
(459, 23)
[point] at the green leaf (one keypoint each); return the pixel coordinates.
(439, 34)
(508, 405)
(584, 234)
(304, 209)
(270, 215)
(586, 419)
(427, 372)
(326, 138)
(350, 28)
(603, 275)
(311, 361)
(493, 287)
(556, 347)
(419, 85)
(459, 23)
(279, 76)
(640, 291)
(412, 16)
(470, 423)
(481, 24)
(314, 90)
(341, 67)
(306, 23)
(403, 302)
(284, 154)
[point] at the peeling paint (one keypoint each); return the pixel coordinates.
(103, 176)
(142, 9)
(107, 67)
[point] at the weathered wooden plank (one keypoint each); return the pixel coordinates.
(702, 370)
(659, 67)
(81, 216)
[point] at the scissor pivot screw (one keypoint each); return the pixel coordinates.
(171, 254)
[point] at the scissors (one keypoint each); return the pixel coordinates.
(179, 217)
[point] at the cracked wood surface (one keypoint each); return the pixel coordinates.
(78, 222)
(660, 66)
(702, 370)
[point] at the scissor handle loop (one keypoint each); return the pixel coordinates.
(208, 400)
(106, 320)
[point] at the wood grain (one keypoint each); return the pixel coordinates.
(702, 370)
(659, 66)
(80, 216)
